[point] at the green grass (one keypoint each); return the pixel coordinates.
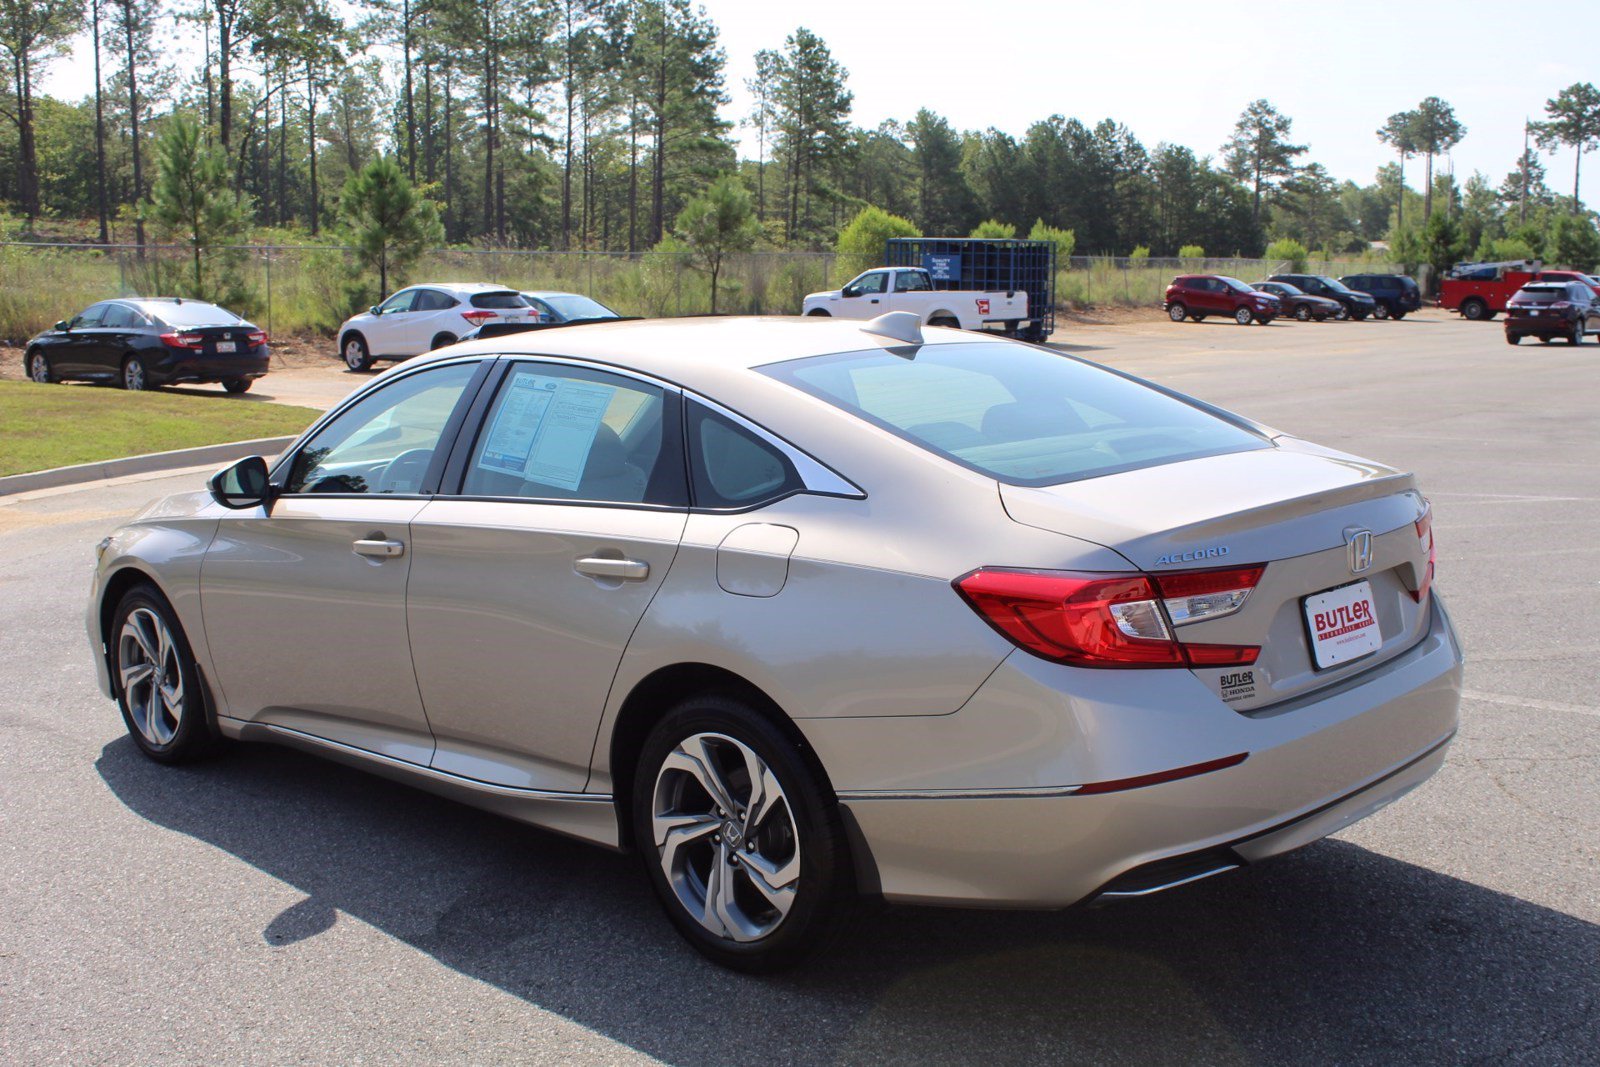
(43, 426)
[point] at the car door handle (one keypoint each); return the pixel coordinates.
(874, 300)
(628, 570)
(379, 549)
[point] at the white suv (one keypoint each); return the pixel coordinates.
(420, 318)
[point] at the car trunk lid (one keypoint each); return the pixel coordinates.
(1295, 507)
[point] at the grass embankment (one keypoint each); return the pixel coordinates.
(43, 426)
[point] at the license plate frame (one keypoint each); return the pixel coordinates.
(1346, 638)
(225, 348)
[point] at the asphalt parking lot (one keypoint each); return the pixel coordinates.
(270, 907)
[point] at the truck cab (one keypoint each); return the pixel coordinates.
(883, 289)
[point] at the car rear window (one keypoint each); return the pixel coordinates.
(1018, 414)
(1541, 294)
(572, 306)
(498, 300)
(193, 313)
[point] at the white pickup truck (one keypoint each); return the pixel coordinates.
(884, 289)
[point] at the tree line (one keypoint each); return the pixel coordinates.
(594, 124)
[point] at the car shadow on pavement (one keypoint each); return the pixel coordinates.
(1335, 953)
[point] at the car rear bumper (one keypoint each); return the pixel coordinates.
(1540, 327)
(211, 368)
(1314, 765)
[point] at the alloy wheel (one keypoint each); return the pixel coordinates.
(152, 676)
(1176, 312)
(726, 837)
(355, 355)
(1242, 316)
(39, 369)
(1303, 313)
(133, 375)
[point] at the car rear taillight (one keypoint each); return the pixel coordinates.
(478, 316)
(1195, 596)
(257, 338)
(1425, 535)
(182, 340)
(1099, 619)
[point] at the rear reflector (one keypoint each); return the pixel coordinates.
(478, 318)
(1194, 596)
(1098, 619)
(1139, 782)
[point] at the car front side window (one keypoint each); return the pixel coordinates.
(90, 318)
(399, 302)
(386, 441)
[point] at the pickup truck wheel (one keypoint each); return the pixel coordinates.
(818, 313)
(1303, 313)
(1474, 310)
(944, 320)
(1177, 312)
(1242, 316)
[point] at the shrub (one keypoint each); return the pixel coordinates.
(1138, 256)
(1065, 240)
(1191, 252)
(1288, 250)
(861, 242)
(995, 230)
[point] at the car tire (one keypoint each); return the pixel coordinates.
(1398, 315)
(1380, 312)
(1196, 316)
(442, 340)
(354, 350)
(819, 313)
(1264, 320)
(39, 369)
(146, 647)
(699, 855)
(1513, 338)
(1474, 309)
(1342, 315)
(1242, 316)
(1177, 312)
(1577, 333)
(1303, 313)
(237, 385)
(134, 378)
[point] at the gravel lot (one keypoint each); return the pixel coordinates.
(268, 907)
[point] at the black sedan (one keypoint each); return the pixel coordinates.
(139, 343)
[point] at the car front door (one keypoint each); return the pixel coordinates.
(868, 289)
(526, 586)
(304, 604)
(390, 335)
(73, 354)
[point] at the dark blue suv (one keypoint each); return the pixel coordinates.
(1395, 294)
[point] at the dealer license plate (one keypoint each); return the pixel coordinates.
(1343, 624)
(225, 346)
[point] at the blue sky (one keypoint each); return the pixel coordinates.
(1179, 72)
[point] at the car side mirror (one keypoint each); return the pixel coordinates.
(373, 310)
(62, 326)
(242, 486)
(850, 290)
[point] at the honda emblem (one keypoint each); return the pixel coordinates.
(1360, 544)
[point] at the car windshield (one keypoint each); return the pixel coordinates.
(192, 313)
(1334, 284)
(1017, 414)
(1235, 284)
(1282, 288)
(573, 306)
(1541, 294)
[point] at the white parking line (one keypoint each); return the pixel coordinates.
(1527, 702)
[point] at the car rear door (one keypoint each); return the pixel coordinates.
(305, 604)
(527, 582)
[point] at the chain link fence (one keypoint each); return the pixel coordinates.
(295, 289)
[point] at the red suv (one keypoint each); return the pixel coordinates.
(1195, 296)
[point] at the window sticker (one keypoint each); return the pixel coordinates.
(567, 433)
(545, 429)
(516, 425)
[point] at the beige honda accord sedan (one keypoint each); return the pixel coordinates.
(802, 611)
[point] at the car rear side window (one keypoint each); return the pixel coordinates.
(731, 466)
(1017, 414)
(433, 300)
(121, 318)
(499, 301)
(558, 432)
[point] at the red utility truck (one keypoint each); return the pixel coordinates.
(1482, 290)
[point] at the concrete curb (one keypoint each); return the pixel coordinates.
(154, 461)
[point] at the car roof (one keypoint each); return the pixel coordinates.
(463, 287)
(552, 292)
(697, 352)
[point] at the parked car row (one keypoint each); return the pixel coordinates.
(142, 342)
(1306, 297)
(421, 318)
